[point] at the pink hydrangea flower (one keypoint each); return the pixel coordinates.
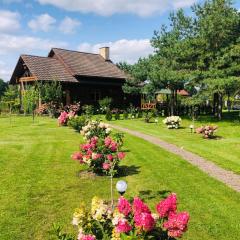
(86, 237)
(177, 224)
(62, 119)
(107, 141)
(139, 206)
(121, 155)
(96, 156)
(94, 140)
(77, 156)
(86, 146)
(106, 166)
(124, 206)
(110, 157)
(113, 146)
(167, 206)
(123, 226)
(145, 221)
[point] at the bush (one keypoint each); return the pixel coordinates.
(108, 115)
(172, 122)
(125, 115)
(147, 117)
(139, 114)
(88, 110)
(207, 131)
(77, 122)
(105, 104)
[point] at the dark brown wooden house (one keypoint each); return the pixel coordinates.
(85, 77)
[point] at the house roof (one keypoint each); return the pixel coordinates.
(87, 64)
(48, 69)
(66, 66)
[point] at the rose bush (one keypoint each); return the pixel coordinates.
(130, 220)
(172, 122)
(207, 131)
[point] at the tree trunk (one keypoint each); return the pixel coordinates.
(220, 106)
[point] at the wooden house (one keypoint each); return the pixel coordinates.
(85, 77)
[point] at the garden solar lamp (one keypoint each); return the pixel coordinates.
(191, 128)
(121, 187)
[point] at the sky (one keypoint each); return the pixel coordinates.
(126, 26)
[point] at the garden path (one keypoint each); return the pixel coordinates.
(228, 177)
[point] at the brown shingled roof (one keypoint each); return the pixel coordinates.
(87, 64)
(48, 69)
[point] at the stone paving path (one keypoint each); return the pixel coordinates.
(228, 177)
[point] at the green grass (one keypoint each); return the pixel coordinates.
(40, 183)
(224, 151)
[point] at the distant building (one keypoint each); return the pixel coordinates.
(85, 77)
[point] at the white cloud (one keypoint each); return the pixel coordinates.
(5, 72)
(43, 22)
(109, 7)
(22, 44)
(9, 21)
(69, 25)
(12, 46)
(122, 50)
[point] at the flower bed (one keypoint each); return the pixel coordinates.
(207, 131)
(172, 122)
(130, 220)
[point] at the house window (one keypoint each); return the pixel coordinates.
(95, 95)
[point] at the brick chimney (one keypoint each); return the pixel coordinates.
(104, 52)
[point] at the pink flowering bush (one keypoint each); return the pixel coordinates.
(100, 155)
(207, 131)
(64, 117)
(130, 220)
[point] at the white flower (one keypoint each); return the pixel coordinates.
(108, 130)
(75, 221)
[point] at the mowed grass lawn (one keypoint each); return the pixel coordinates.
(40, 185)
(224, 150)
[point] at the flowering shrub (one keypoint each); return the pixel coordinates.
(172, 122)
(64, 117)
(95, 128)
(100, 155)
(131, 221)
(207, 131)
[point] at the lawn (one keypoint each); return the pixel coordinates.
(224, 150)
(40, 184)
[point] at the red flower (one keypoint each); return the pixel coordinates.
(167, 206)
(123, 226)
(177, 224)
(121, 155)
(124, 206)
(77, 156)
(144, 221)
(106, 166)
(107, 141)
(110, 157)
(139, 206)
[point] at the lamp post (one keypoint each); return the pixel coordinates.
(121, 187)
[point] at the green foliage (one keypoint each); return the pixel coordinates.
(108, 115)
(3, 87)
(117, 115)
(77, 122)
(125, 114)
(11, 98)
(30, 98)
(88, 110)
(105, 104)
(52, 94)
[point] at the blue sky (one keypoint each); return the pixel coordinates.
(33, 27)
